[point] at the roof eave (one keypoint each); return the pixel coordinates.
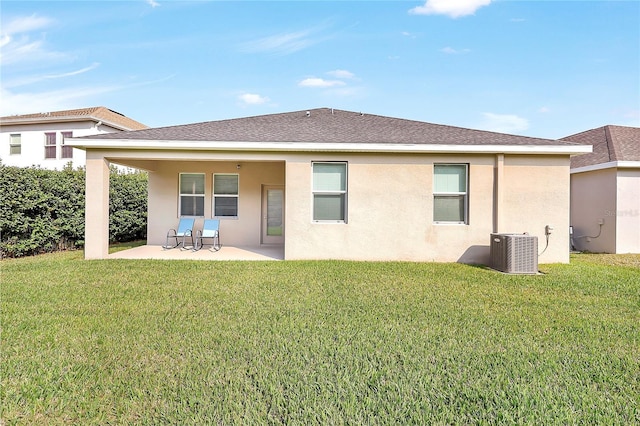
(63, 119)
(129, 144)
(609, 165)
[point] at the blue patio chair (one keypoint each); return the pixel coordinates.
(179, 237)
(210, 230)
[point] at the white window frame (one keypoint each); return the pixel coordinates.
(344, 193)
(50, 147)
(66, 151)
(236, 196)
(464, 194)
(193, 195)
(15, 144)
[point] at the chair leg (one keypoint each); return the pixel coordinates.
(216, 243)
(167, 246)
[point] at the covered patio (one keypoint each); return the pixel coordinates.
(275, 252)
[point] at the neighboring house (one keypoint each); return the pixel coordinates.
(605, 191)
(40, 139)
(332, 184)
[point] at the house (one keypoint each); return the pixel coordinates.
(40, 139)
(605, 191)
(333, 184)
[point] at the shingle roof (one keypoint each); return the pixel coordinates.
(610, 143)
(94, 113)
(326, 125)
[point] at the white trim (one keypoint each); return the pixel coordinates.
(10, 121)
(609, 165)
(130, 144)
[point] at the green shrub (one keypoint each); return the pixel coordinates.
(43, 210)
(127, 206)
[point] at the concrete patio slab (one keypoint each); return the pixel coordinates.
(225, 253)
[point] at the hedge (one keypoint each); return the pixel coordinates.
(43, 210)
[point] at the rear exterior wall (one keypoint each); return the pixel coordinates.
(390, 208)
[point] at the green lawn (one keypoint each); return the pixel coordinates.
(195, 342)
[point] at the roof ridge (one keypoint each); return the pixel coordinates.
(611, 145)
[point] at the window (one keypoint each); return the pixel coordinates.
(50, 145)
(15, 144)
(225, 195)
(330, 192)
(191, 194)
(450, 193)
(67, 151)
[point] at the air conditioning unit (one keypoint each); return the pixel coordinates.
(514, 253)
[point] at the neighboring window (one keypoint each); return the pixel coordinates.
(50, 145)
(330, 192)
(15, 144)
(191, 194)
(225, 195)
(450, 193)
(67, 151)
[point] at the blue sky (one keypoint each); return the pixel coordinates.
(537, 68)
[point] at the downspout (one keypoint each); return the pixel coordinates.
(498, 192)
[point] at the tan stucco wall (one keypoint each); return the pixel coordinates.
(593, 199)
(627, 214)
(390, 202)
(243, 231)
(536, 194)
(96, 227)
(390, 209)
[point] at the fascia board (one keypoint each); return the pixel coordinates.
(87, 143)
(609, 165)
(63, 119)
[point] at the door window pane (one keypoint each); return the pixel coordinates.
(274, 212)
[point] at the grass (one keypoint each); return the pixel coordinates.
(193, 342)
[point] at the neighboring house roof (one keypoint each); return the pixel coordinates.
(325, 125)
(97, 114)
(611, 144)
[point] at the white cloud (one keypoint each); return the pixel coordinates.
(283, 44)
(451, 51)
(504, 123)
(451, 8)
(25, 80)
(54, 100)
(17, 45)
(153, 3)
(320, 82)
(24, 24)
(253, 99)
(343, 74)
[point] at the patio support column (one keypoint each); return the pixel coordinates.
(498, 193)
(96, 228)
